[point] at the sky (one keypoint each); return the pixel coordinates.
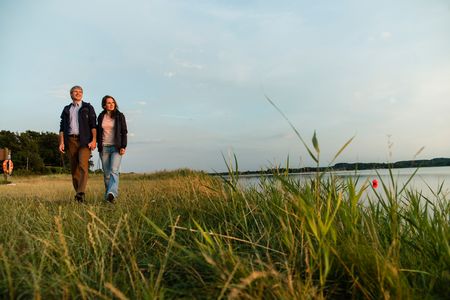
(192, 77)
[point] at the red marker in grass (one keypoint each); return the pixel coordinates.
(374, 183)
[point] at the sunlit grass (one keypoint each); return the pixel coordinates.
(186, 235)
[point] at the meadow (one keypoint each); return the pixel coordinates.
(187, 235)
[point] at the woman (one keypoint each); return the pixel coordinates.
(111, 143)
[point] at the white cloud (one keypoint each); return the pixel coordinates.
(393, 100)
(176, 116)
(226, 14)
(230, 15)
(134, 112)
(169, 74)
(178, 56)
(385, 35)
(61, 92)
(189, 65)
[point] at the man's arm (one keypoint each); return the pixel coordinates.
(61, 133)
(93, 144)
(93, 125)
(61, 142)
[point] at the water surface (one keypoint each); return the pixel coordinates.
(427, 181)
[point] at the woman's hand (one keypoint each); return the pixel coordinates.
(122, 151)
(92, 145)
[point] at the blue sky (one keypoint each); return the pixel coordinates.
(191, 76)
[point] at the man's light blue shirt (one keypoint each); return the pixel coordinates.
(74, 126)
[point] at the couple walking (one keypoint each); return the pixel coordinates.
(81, 132)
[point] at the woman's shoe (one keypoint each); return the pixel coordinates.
(110, 198)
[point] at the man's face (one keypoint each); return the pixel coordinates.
(77, 94)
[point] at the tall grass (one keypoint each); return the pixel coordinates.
(188, 235)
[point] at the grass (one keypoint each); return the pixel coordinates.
(184, 234)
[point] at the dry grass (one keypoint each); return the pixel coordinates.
(184, 234)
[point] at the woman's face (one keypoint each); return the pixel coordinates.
(110, 105)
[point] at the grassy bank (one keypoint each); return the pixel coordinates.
(187, 235)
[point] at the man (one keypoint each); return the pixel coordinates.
(78, 135)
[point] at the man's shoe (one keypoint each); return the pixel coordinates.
(110, 198)
(79, 197)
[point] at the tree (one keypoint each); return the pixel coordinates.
(27, 157)
(35, 152)
(9, 140)
(48, 148)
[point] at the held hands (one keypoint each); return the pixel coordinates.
(92, 145)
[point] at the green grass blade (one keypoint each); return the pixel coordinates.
(316, 143)
(293, 128)
(342, 149)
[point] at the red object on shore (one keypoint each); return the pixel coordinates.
(374, 183)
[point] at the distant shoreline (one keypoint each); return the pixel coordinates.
(423, 163)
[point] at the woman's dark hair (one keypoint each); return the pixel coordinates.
(113, 113)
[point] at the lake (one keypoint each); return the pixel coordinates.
(425, 180)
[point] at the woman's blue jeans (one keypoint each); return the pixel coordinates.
(111, 167)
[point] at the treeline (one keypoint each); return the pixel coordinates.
(423, 163)
(34, 152)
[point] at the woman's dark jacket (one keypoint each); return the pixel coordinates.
(86, 122)
(120, 131)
